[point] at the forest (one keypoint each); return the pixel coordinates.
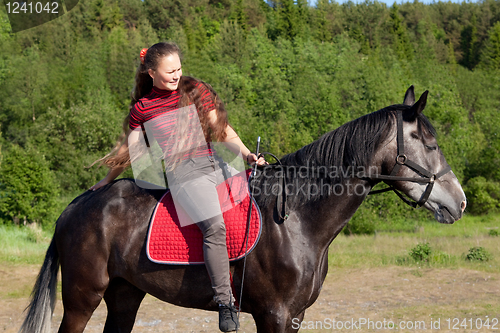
(286, 71)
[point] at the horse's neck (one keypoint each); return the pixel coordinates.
(324, 219)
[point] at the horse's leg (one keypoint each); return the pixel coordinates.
(123, 300)
(296, 322)
(82, 291)
(277, 319)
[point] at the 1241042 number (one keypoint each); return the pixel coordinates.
(471, 324)
(32, 7)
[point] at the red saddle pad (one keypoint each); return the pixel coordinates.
(169, 243)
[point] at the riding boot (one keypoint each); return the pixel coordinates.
(228, 318)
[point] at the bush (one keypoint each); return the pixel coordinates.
(421, 252)
(359, 226)
(478, 254)
(28, 191)
(72, 138)
(493, 232)
(483, 196)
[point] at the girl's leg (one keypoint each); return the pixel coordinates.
(217, 263)
(216, 259)
(194, 190)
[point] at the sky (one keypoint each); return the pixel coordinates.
(391, 2)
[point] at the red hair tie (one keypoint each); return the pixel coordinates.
(143, 54)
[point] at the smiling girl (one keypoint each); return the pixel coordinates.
(161, 88)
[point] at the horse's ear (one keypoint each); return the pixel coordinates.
(409, 97)
(418, 107)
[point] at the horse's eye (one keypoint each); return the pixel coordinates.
(431, 147)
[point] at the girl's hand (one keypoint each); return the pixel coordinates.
(112, 174)
(252, 159)
(103, 182)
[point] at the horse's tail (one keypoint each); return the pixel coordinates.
(43, 296)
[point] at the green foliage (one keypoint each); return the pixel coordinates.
(421, 252)
(470, 44)
(290, 18)
(34, 233)
(494, 232)
(100, 15)
(478, 253)
(23, 244)
(435, 258)
(28, 190)
(285, 71)
(359, 226)
(483, 196)
(490, 57)
(72, 138)
(401, 43)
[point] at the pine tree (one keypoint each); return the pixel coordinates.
(490, 57)
(321, 23)
(290, 19)
(469, 43)
(241, 16)
(401, 40)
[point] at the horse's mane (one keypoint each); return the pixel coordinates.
(350, 146)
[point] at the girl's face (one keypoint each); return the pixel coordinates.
(168, 73)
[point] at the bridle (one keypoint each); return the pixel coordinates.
(427, 177)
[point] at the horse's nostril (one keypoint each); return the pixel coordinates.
(463, 205)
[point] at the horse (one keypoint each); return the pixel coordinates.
(99, 239)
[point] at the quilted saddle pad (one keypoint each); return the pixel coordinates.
(169, 243)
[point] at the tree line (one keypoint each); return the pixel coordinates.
(286, 71)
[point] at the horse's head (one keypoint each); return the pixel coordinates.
(420, 170)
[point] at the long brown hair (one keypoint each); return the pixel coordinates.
(189, 91)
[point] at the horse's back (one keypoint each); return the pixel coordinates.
(102, 207)
(105, 223)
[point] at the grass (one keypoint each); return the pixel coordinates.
(449, 243)
(23, 245)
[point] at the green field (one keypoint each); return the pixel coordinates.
(449, 245)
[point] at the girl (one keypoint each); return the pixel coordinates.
(159, 89)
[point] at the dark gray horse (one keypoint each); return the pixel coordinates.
(100, 237)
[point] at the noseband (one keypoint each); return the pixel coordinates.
(427, 177)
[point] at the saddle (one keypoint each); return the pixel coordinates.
(170, 243)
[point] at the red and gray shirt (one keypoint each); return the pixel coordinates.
(161, 102)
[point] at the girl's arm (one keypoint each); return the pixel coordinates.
(234, 140)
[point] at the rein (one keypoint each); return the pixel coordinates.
(426, 177)
(249, 216)
(281, 197)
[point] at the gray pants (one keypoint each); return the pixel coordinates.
(193, 187)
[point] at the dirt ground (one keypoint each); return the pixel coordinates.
(386, 299)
